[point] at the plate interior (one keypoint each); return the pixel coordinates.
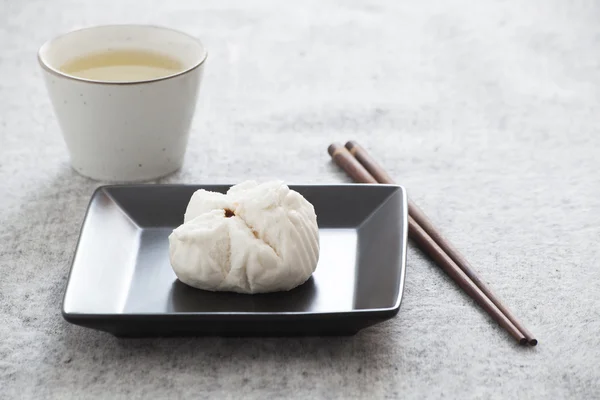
(121, 265)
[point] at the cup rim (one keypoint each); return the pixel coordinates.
(46, 66)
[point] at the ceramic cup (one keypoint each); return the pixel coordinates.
(124, 131)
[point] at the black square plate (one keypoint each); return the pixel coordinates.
(121, 280)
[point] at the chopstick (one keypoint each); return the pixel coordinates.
(421, 219)
(362, 168)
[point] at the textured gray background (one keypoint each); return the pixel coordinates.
(487, 111)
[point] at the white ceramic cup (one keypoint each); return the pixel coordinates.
(124, 131)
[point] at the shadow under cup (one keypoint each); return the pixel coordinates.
(124, 131)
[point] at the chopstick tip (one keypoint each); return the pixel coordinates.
(350, 144)
(533, 342)
(333, 147)
(522, 341)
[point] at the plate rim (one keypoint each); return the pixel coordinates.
(391, 311)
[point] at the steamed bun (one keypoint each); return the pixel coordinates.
(257, 238)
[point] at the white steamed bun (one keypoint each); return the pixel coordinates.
(257, 238)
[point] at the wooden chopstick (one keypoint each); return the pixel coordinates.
(359, 173)
(350, 164)
(420, 218)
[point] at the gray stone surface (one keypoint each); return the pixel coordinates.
(488, 112)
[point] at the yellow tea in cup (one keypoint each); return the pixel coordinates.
(122, 66)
